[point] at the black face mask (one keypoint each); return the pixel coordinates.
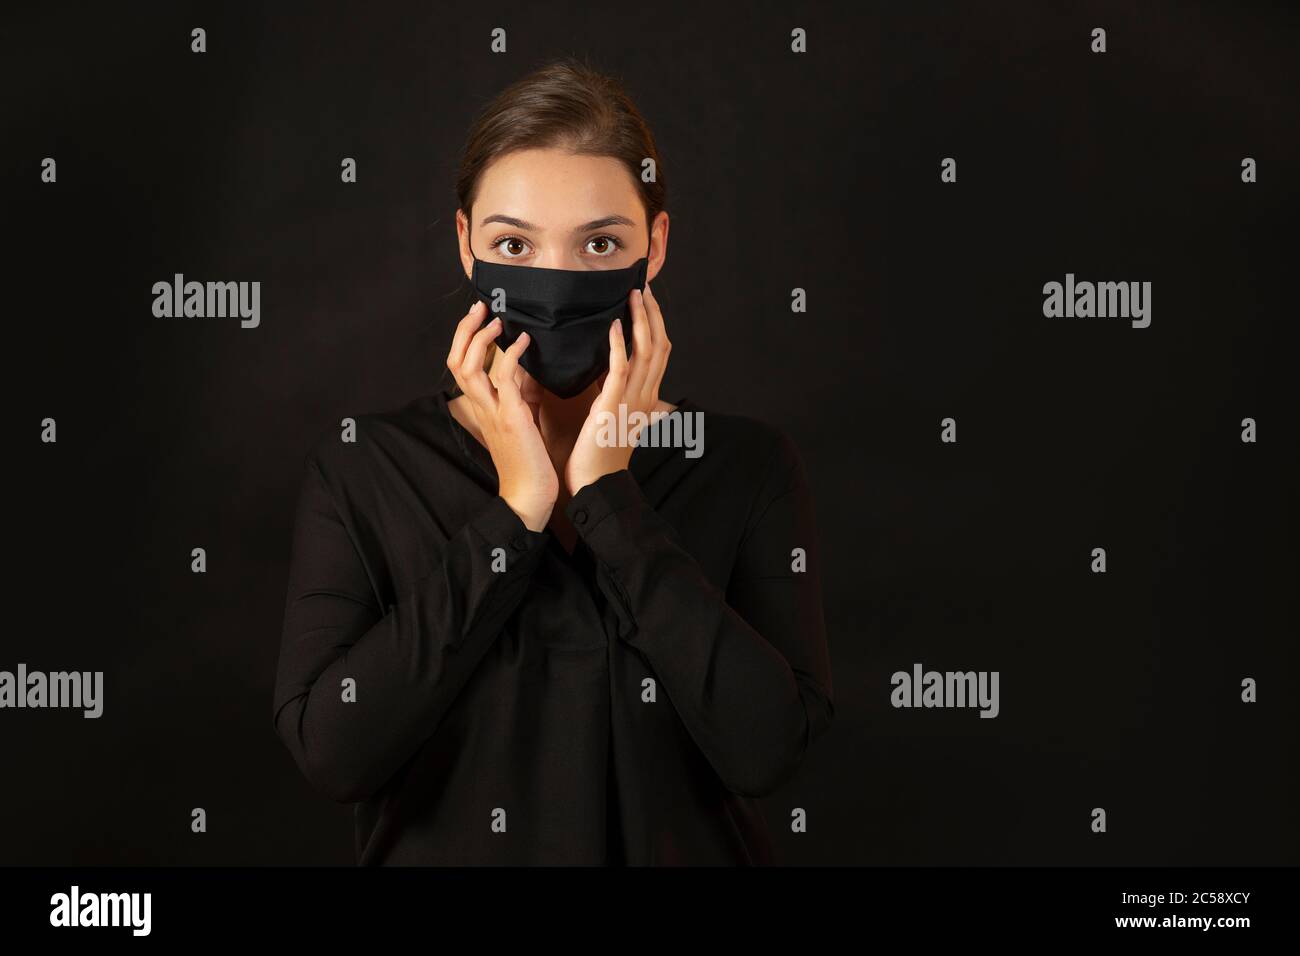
(566, 313)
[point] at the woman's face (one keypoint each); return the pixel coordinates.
(554, 209)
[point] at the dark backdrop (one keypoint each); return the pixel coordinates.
(821, 171)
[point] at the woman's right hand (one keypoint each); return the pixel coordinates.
(526, 478)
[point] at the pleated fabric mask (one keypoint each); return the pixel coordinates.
(566, 313)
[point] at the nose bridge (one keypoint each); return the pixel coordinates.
(555, 250)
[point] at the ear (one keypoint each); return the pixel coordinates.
(658, 250)
(463, 241)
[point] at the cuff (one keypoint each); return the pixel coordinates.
(606, 495)
(498, 525)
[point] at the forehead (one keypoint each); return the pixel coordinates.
(555, 187)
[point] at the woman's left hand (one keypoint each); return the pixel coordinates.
(633, 383)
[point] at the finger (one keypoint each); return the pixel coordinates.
(474, 380)
(641, 343)
(505, 370)
(662, 346)
(465, 330)
(615, 384)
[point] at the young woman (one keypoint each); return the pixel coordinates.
(513, 634)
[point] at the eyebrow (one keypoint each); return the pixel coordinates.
(594, 224)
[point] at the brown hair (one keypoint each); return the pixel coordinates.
(566, 104)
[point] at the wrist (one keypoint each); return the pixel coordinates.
(583, 473)
(534, 514)
(579, 481)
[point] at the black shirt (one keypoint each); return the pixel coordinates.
(485, 697)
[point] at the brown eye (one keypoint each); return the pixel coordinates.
(603, 245)
(506, 245)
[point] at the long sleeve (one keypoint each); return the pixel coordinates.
(409, 662)
(747, 670)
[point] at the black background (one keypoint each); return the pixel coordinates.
(818, 171)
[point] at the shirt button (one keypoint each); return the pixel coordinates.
(580, 516)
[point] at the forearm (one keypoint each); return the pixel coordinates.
(358, 692)
(748, 709)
